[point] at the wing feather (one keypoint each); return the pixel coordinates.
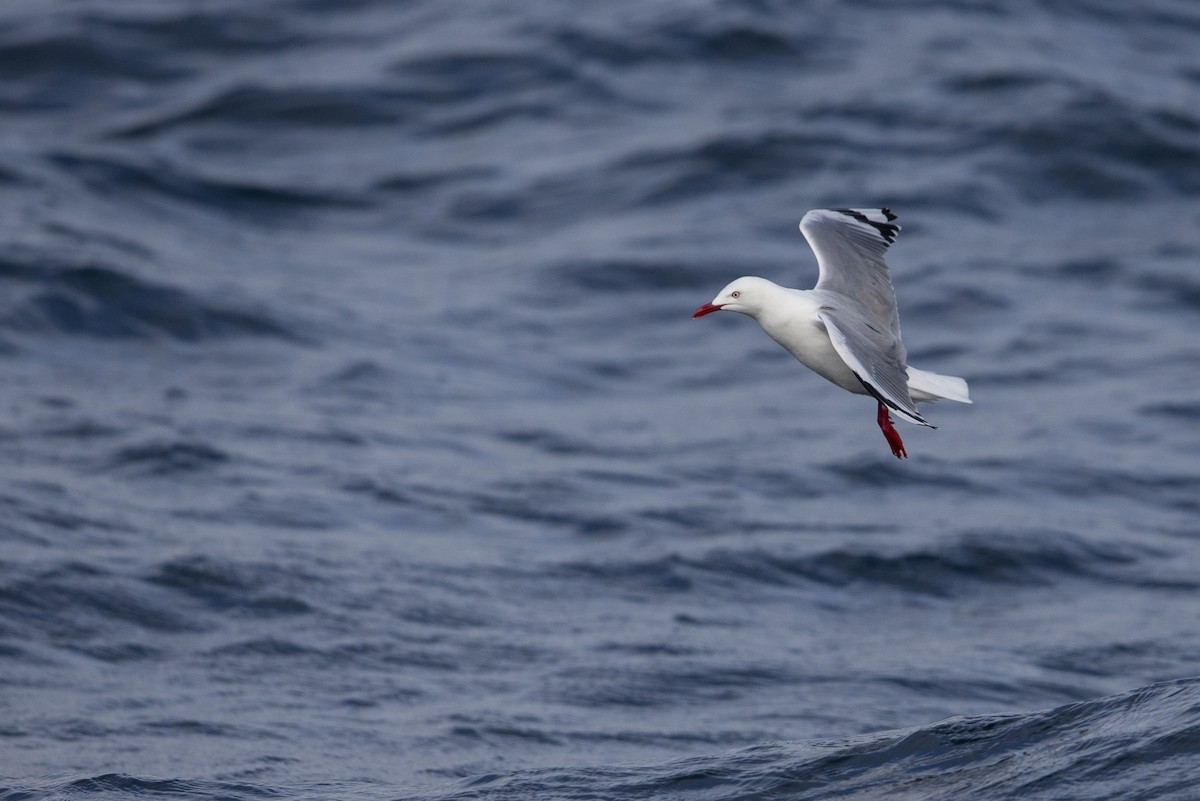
(850, 245)
(876, 357)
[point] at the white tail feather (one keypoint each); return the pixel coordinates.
(926, 386)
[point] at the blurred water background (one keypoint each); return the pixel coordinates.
(357, 442)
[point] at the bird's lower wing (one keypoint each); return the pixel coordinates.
(875, 357)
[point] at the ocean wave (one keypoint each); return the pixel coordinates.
(1137, 743)
(721, 163)
(192, 30)
(663, 687)
(76, 604)
(264, 590)
(125, 785)
(1178, 490)
(1097, 146)
(255, 105)
(106, 303)
(625, 275)
(55, 69)
(166, 458)
(681, 39)
(971, 563)
(140, 180)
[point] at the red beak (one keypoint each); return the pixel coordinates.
(707, 308)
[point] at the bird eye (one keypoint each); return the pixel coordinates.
(735, 294)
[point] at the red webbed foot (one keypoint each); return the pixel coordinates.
(890, 434)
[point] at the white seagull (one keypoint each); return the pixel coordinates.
(846, 329)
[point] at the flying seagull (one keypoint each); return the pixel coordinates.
(846, 329)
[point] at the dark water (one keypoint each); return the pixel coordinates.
(357, 442)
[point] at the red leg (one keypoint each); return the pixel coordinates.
(889, 433)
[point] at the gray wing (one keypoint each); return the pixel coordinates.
(850, 245)
(875, 356)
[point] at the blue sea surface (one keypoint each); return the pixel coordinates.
(357, 442)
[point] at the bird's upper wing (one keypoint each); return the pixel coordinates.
(850, 245)
(875, 356)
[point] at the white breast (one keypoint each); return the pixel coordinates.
(792, 322)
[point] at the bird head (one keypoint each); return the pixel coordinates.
(745, 295)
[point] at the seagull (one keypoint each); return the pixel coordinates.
(846, 329)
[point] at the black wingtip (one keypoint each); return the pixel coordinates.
(887, 230)
(877, 395)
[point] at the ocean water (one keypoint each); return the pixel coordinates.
(357, 441)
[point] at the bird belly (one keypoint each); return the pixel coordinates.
(805, 337)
